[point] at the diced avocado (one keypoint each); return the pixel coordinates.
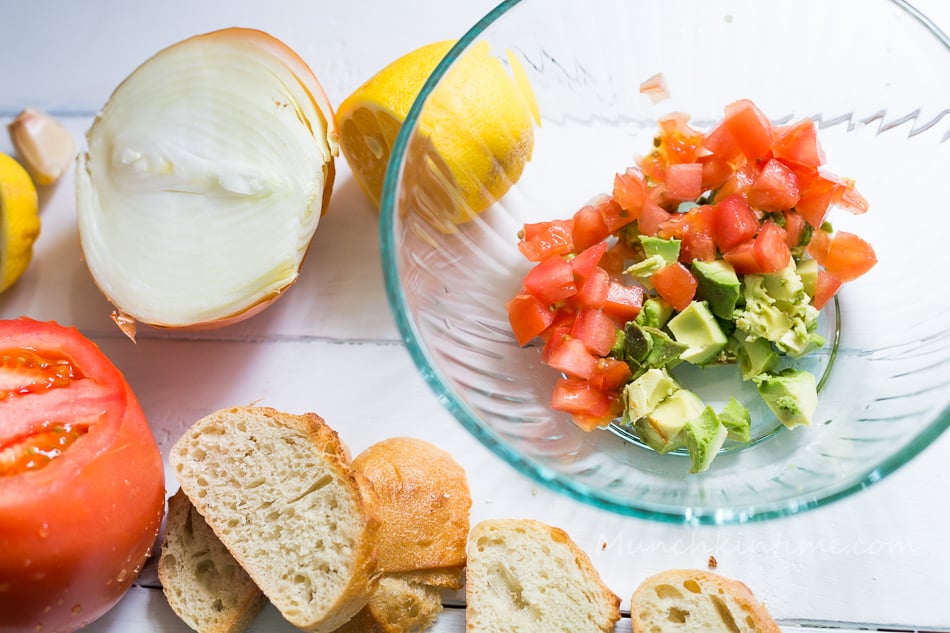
(642, 395)
(637, 343)
(665, 352)
(704, 435)
(792, 395)
(777, 308)
(718, 285)
(756, 356)
(644, 269)
(737, 420)
(660, 429)
(807, 270)
(697, 328)
(669, 250)
(654, 313)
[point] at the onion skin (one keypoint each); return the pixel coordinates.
(325, 122)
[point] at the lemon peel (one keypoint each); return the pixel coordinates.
(474, 137)
(19, 220)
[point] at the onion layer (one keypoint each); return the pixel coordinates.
(206, 175)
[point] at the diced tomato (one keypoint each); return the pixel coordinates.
(750, 129)
(623, 302)
(562, 323)
(742, 257)
(721, 143)
(572, 357)
(798, 144)
(734, 222)
(652, 216)
(630, 191)
(551, 281)
(771, 248)
(846, 256)
(794, 228)
(684, 181)
(852, 201)
(578, 397)
(819, 246)
(739, 182)
(814, 205)
(589, 227)
(596, 330)
(592, 290)
(675, 284)
(698, 235)
(776, 188)
(586, 261)
(715, 171)
(653, 166)
(826, 286)
(590, 422)
(609, 374)
(613, 214)
(544, 239)
(655, 88)
(528, 317)
(678, 140)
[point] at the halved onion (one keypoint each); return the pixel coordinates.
(206, 175)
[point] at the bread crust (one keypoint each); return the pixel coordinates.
(424, 503)
(233, 424)
(656, 595)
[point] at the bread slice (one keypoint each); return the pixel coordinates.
(424, 503)
(525, 576)
(398, 606)
(203, 583)
(697, 601)
(277, 491)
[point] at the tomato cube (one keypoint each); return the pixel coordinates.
(750, 129)
(613, 214)
(742, 257)
(544, 239)
(797, 144)
(592, 290)
(623, 303)
(528, 317)
(721, 143)
(589, 227)
(651, 217)
(630, 190)
(596, 330)
(572, 357)
(675, 284)
(826, 286)
(610, 375)
(734, 222)
(771, 248)
(846, 256)
(551, 281)
(684, 182)
(578, 397)
(775, 189)
(586, 261)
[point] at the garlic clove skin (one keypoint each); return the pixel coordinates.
(206, 175)
(44, 146)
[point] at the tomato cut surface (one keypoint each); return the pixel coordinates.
(622, 302)
(675, 284)
(528, 317)
(652, 216)
(734, 222)
(771, 248)
(826, 287)
(630, 191)
(544, 239)
(846, 256)
(749, 127)
(684, 181)
(775, 189)
(586, 261)
(589, 227)
(81, 480)
(798, 144)
(551, 281)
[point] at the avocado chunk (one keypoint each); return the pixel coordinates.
(703, 435)
(792, 395)
(655, 312)
(642, 395)
(669, 250)
(650, 347)
(807, 270)
(737, 420)
(756, 356)
(697, 328)
(660, 429)
(718, 285)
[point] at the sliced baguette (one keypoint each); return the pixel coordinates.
(203, 583)
(525, 576)
(696, 601)
(278, 492)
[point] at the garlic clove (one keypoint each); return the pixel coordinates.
(45, 147)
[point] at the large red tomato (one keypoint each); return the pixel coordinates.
(82, 486)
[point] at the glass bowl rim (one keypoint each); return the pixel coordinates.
(538, 473)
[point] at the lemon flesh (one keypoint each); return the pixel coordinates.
(474, 137)
(19, 220)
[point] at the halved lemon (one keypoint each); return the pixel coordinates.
(19, 220)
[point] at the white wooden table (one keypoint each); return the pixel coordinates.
(878, 559)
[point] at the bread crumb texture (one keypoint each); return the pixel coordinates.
(524, 576)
